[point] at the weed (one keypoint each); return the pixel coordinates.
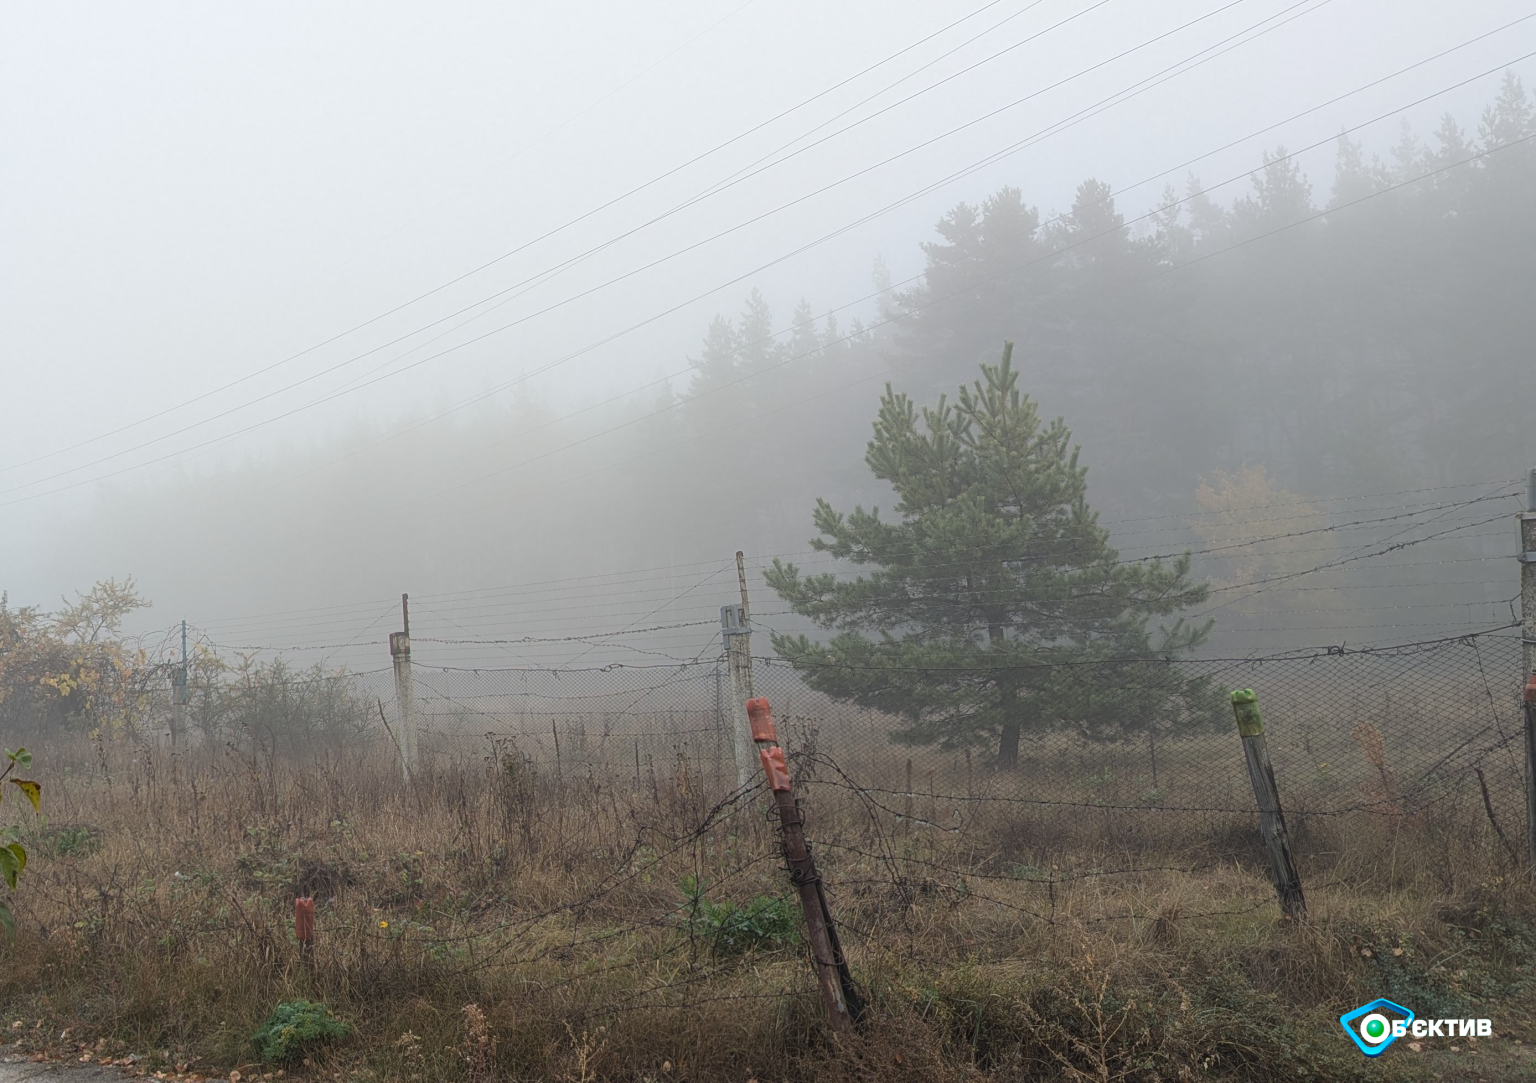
(296, 1027)
(71, 841)
(764, 923)
(479, 1045)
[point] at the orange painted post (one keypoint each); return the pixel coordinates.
(304, 928)
(838, 991)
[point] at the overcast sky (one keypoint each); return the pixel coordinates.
(198, 194)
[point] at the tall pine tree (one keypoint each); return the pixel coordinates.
(992, 587)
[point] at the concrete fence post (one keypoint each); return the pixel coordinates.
(1528, 656)
(736, 631)
(405, 689)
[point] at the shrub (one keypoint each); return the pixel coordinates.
(295, 1026)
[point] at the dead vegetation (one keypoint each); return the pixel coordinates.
(489, 923)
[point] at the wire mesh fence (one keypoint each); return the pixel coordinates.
(1395, 731)
(1391, 731)
(1426, 737)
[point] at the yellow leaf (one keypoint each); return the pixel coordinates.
(33, 791)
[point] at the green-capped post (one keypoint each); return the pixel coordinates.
(1245, 704)
(1277, 844)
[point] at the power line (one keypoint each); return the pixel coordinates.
(574, 639)
(592, 640)
(716, 236)
(306, 407)
(913, 309)
(1006, 559)
(1301, 654)
(514, 251)
(1013, 270)
(567, 122)
(494, 595)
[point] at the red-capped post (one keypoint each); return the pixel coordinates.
(760, 719)
(304, 927)
(775, 769)
(838, 990)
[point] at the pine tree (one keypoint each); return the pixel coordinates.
(992, 587)
(804, 336)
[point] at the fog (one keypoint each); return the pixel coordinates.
(308, 307)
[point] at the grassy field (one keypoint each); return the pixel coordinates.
(492, 922)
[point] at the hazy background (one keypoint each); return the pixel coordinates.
(197, 195)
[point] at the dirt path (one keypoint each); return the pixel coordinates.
(14, 1070)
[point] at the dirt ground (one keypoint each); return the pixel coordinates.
(23, 1070)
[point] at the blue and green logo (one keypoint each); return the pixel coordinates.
(1376, 1025)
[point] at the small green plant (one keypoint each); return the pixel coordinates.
(1100, 778)
(73, 841)
(296, 1026)
(767, 922)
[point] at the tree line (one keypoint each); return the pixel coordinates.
(1367, 333)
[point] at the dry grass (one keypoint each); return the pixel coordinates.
(489, 923)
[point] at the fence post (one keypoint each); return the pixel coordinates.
(1277, 844)
(1530, 769)
(906, 803)
(304, 928)
(838, 991)
(405, 689)
(179, 695)
(178, 707)
(736, 631)
(1528, 654)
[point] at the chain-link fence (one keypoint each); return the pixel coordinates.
(1416, 731)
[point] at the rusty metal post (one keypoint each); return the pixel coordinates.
(1277, 843)
(838, 991)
